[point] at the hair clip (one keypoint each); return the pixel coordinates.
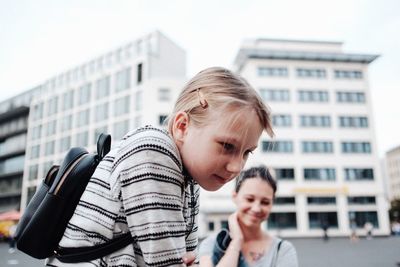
(203, 101)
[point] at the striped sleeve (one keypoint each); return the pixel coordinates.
(152, 184)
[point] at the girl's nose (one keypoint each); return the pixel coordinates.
(235, 165)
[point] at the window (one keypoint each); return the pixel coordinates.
(161, 119)
(211, 226)
(361, 217)
(320, 174)
(121, 106)
(35, 151)
(123, 80)
(353, 122)
(49, 148)
(120, 129)
(313, 96)
(84, 94)
(284, 173)
(321, 200)
(315, 121)
(275, 95)
(68, 100)
(277, 146)
(66, 123)
(224, 224)
(139, 73)
(317, 219)
(350, 97)
(51, 127)
(311, 73)
(33, 172)
(317, 147)
(65, 144)
(164, 95)
(36, 132)
(356, 147)
(52, 106)
(82, 118)
(282, 220)
(348, 74)
(38, 111)
(103, 87)
(282, 120)
(82, 139)
(357, 174)
(10, 165)
(361, 200)
(272, 71)
(101, 112)
(285, 201)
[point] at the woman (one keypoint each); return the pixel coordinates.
(246, 243)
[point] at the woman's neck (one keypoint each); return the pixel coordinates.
(252, 233)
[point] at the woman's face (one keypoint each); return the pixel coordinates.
(254, 201)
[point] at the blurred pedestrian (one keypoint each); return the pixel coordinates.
(11, 241)
(325, 226)
(368, 229)
(396, 228)
(353, 229)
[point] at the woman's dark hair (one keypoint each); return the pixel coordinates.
(256, 172)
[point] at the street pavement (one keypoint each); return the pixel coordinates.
(336, 252)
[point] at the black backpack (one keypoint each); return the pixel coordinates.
(46, 217)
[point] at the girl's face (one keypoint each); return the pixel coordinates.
(215, 153)
(254, 201)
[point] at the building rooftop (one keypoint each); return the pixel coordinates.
(248, 53)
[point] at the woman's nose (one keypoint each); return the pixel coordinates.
(256, 207)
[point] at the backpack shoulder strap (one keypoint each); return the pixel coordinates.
(103, 145)
(279, 245)
(85, 254)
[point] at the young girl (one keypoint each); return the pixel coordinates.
(246, 244)
(149, 183)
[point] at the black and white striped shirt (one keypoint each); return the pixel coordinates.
(141, 187)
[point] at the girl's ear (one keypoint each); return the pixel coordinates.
(180, 126)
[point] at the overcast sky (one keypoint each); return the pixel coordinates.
(41, 38)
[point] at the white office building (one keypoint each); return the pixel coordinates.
(324, 155)
(135, 84)
(392, 161)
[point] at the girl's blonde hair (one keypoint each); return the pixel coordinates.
(217, 88)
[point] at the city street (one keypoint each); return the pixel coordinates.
(337, 252)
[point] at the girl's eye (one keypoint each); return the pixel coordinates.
(228, 147)
(246, 154)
